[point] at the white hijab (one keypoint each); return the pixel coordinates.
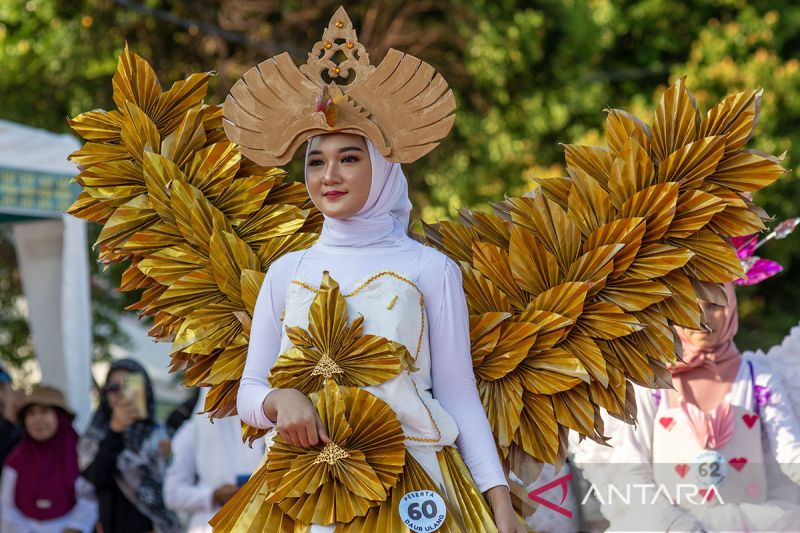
(384, 218)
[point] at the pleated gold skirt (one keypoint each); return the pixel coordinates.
(467, 512)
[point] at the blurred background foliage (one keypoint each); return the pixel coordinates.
(527, 76)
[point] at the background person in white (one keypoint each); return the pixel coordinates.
(207, 459)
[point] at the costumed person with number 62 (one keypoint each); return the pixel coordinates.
(728, 430)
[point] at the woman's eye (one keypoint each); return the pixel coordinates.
(315, 163)
(349, 159)
(710, 306)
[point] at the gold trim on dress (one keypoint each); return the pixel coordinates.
(357, 290)
(369, 282)
(330, 348)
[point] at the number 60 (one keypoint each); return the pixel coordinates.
(428, 510)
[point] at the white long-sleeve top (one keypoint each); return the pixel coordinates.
(781, 436)
(205, 456)
(439, 280)
(82, 517)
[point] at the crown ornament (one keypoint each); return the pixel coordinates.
(402, 105)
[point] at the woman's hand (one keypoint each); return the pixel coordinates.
(295, 418)
(505, 518)
(223, 493)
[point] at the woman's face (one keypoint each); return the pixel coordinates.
(338, 174)
(113, 388)
(41, 422)
(715, 317)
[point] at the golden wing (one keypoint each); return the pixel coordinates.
(573, 289)
(199, 223)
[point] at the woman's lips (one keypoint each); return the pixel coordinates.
(334, 194)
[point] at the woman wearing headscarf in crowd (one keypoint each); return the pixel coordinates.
(42, 490)
(120, 455)
(209, 463)
(724, 434)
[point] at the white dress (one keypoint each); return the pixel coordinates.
(446, 375)
(407, 293)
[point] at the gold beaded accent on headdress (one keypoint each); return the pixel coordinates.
(339, 36)
(402, 105)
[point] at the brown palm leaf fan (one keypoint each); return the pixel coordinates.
(199, 223)
(573, 288)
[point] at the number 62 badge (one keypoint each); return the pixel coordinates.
(712, 468)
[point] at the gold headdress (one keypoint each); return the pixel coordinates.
(403, 106)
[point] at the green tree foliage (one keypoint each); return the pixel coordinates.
(759, 48)
(527, 76)
(15, 342)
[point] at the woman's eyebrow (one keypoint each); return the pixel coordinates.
(349, 148)
(341, 150)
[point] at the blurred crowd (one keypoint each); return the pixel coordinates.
(127, 473)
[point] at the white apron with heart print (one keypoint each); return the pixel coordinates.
(728, 486)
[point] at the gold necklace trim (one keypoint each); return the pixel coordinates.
(363, 286)
(370, 281)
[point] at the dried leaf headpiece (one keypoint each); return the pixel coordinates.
(403, 106)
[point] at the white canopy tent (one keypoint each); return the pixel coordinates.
(52, 256)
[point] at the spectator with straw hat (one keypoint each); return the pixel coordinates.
(42, 490)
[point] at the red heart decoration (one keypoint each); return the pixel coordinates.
(753, 490)
(682, 469)
(667, 422)
(707, 493)
(750, 420)
(738, 463)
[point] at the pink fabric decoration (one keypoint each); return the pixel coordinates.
(712, 430)
(760, 269)
(745, 246)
